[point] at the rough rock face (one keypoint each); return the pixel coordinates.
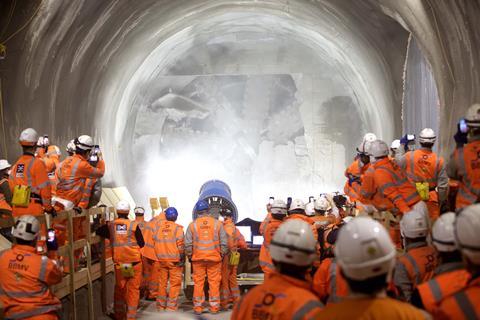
(260, 93)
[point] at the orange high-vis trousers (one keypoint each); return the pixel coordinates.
(168, 272)
(127, 293)
(229, 291)
(152, 280)
(211, 270)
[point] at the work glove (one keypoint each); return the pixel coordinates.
(461, 138)
(78, 210)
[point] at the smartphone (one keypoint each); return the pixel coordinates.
(270, 200)
(289, 202)
(51, 235)
(462, 125)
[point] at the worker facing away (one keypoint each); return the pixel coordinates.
(278, 213)
(427, 171)
(206, 245)
(420, 259)
(285, 294)
(464, 164)
(358, 167)
(229, 291)
(168, 241)
(29, 180)
(450, 276)
(26, 276)
(464, 304)
(366, 256)
(126, 240)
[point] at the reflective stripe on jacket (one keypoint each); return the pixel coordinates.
(122, 239)
(72, 174)
(206, 239)
(417, 265)
(443, 285)
(265, 260)
(468, 169)
(30, 171)
(328, 282)
(279, 297)
(168, 241)
(24, 283)
(462, 305)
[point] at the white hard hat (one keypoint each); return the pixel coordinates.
(28, 137)
(473, 116)
(297, 204)
(123, 206)
(466, 233)
(84, 142)
(414, 224)
(278, 207)
(427, 135)
(443, 235)
(4, 164)
(379, 149)
(395, 144)
(26, 228)
(369, 137)
(53, 150)
(310, 209)
(364, 249)
(293, 243)
(364, 147)
(322, 204)
(139, 211)
(71, 146)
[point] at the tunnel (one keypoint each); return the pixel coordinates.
(270, 96)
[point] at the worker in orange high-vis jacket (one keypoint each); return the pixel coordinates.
(427, 171)
(126, 240)
(52, 161)
(464, 304)
(206, 245)
(267, 219)
(464, 164)
(30, 171)
(286, 293)
(366, 256)
(278, 214)
(355, 171)
(229, 291)
(418, 263)
(170, 253)
(72, 174)
(5, 193)
(26, 276)
(450, 276)
(328, 282)
(297, 211)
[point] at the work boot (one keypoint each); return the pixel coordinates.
(197, 311)
(213, 310)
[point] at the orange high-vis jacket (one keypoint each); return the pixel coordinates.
(206, 240)
(307, 220)
(30, 171)
(24, 283)
(168, 241)
(356, 169)
(3, 199)
(465, 166)
(265, 260)
(369, 195)
(328, 282)
(52, 161)
(235, 238)
(265, 222)
(423, 165)
(123, 241)
(443, 285)
(280, 297)
(417, 265)
(391, 182)
(72, 173)
(461, 305)
(87, 192)
(150, 227)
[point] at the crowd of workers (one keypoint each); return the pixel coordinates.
(401, 243)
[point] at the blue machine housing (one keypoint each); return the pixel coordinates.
(218, 195)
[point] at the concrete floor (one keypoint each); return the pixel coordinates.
(147, 310)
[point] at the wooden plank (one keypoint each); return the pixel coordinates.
(72, 267)
(91, 313)
(103, 274)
